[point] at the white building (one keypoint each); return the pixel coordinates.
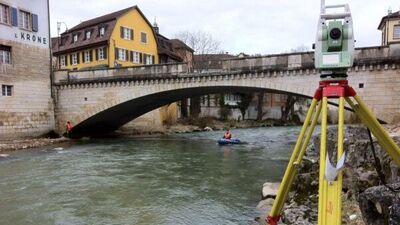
(26, 106)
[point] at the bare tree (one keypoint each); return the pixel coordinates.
(300, 48)
(201, 42)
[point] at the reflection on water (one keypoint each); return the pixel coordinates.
(180, 179)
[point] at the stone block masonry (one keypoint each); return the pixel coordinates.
(29, 111)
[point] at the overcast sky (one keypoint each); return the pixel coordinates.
(249, 26)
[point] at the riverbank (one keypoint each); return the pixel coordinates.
(14, 145)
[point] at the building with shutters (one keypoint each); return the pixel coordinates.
(119, 39)
(26, 106)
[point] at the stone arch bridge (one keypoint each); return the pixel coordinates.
(100, 101)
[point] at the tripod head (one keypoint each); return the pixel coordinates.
(334, 45)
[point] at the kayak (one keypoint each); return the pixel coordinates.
(232, 141)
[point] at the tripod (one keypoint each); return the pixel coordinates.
(330, 180)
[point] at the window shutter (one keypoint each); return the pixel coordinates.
(91, 55)
(116, 53)
(131, 34)
(141, 58)
(83, 56)
(70, 59)
(66, 60)
(35, 23)
(14, 17)
(122, 32)
(131, 55)
(105, 52)
(152, 59)
(59, 62)
(144, 59)
(126, 55)
(77, 57)
(97, 54)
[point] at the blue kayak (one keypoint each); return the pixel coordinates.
(232, 141)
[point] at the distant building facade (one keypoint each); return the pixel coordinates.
(119, 39)
(390, 27)
(26, 106)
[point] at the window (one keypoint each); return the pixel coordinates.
(7, 90)
(5, 54)
(4, 14)
(148, 59)
(143, 37)
(102, 31)
(75, 38)
(100, 54)
(126, 33)
(74, 58)
(136, 57)
(87, 35)
(88, 56)
(396, 32)
(122, 54)
(62, 61)
(25, 21)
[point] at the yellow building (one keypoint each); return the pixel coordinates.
(119, 39)
(390, 27)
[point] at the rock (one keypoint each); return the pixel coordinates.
(352, 217)
(265, 205)
(208, 129)
(269, 190)
(379, 204)
(395, 212)
(300, 214)
(4, 155)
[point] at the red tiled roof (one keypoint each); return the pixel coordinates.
(65, 42)
(101, 19)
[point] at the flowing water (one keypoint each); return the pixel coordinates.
(174, 180)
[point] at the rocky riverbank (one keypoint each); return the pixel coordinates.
(364, 201)
(13, 145)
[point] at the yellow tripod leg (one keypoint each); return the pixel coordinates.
(294, 161)
(329, 201)
(376, 128)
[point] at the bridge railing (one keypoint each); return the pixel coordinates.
(148, 71)
(388, 55)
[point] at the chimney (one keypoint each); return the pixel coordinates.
(390, 11)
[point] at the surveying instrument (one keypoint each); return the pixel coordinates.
(334, 50)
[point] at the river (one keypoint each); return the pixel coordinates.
(174, 180)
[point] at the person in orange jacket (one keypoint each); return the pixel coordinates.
(228, 134)
(68, 127)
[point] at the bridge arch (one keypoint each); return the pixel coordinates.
(115, 116)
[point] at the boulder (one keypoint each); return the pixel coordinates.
(269, 190)
(208, 129)
(379, 205)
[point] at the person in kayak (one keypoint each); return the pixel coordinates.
(228, 134)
